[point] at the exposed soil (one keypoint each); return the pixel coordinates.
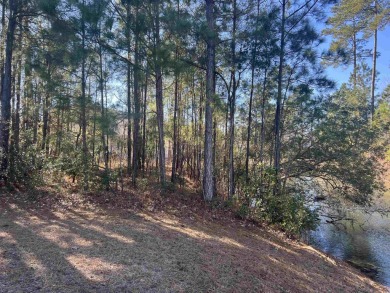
(56, 241)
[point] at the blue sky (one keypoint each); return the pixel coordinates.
(341, 74)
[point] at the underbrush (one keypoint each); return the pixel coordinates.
(287, 210)
(255, 201)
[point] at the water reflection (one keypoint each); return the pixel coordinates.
(364, 243)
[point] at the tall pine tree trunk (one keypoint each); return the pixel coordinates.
(232, 104)
(175, 140)
(16, 108)
(144, 121)
(6, 90)
(262, 130)
(200, 129)
(83, 118)
(248, 137)
(36, 105)
(2, 43)
(46, 106)
(16, 128)
(208, 174)
(104, 122)
(277, 123)
(159, 96)
(354, 52)
(128, 76)
(137, 109)
(373, 79)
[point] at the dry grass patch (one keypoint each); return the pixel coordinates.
(94, 247)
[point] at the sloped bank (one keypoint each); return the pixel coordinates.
(164, 245)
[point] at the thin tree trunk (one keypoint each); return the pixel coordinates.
(3, 28)
(46, 105)
(226, 140)
(137, 109)
(175, 142)
(175, 111)
(208, 183)
(83, 108)
(179, 115)
(248, 138)
(262, 130)
(232, 105)
(104, 122)
(93, 129)
(16, 130)
(144, 122)
(279, 96)
(129, 118)
(194, 124)
(36, 103)
(200, 131)
(354, 49)
(214, 153)
(128, 41)
(16, 126)
(373, 79)
(159, 97)
(12, 157)
(61, 132)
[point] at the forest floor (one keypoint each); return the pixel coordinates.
(53, 240)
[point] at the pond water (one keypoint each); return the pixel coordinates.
(364, 243)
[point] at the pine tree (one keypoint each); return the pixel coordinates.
(208, 184)
(6, 87)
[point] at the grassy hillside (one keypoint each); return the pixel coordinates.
(56, 241)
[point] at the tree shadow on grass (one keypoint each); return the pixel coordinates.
(84, 254)
(81, 250)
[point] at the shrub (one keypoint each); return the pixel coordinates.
(289, 210)
(26, 167)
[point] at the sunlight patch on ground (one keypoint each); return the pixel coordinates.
(109, 234)
(274, 244)
(93, 268)
(289, 267)
(321, 254)
(26, 220)
(193, 233)
(64, 238)
(87, 220)
(7, 237)
(4, 262)
(31, 261)
(61, 236)
(62, 215)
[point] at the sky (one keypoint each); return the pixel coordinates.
(341, 74)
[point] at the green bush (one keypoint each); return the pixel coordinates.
(26, 167)
(288, 210)
(168, 188)
(143, 183)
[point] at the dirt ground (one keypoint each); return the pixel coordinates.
(112, 243)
